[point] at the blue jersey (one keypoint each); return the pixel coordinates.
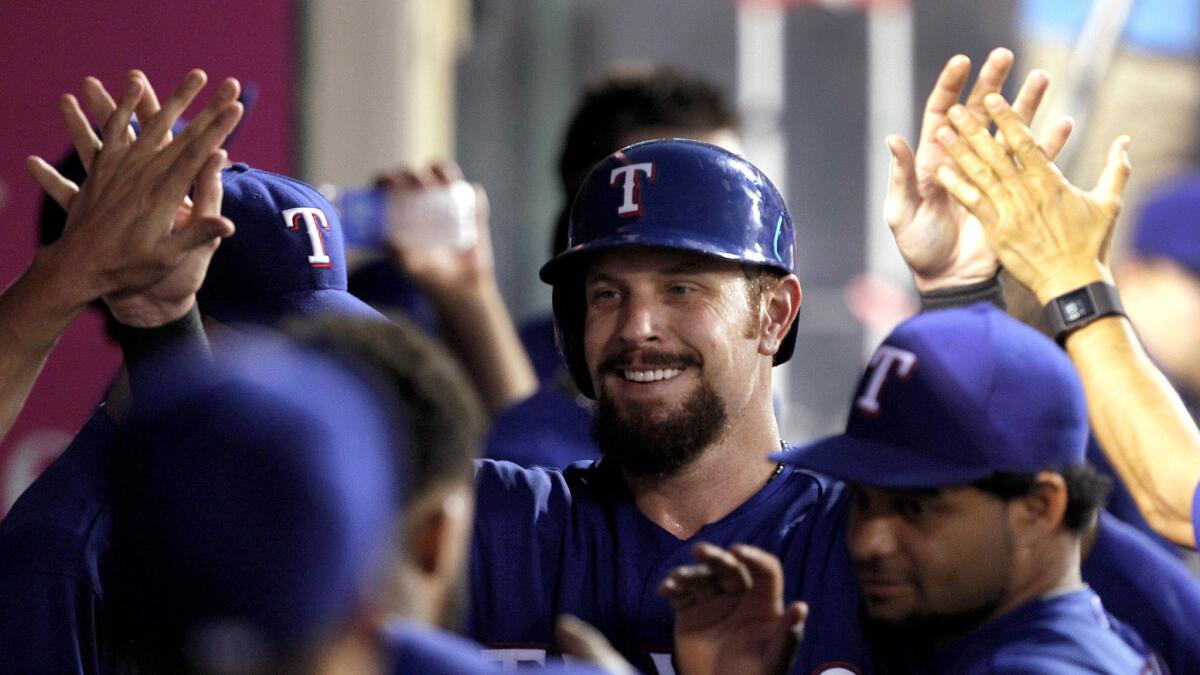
(547, 543)
(1065, 634)
(422, 650)
(549, 429)
(54, 559)
(1151, 591)
(1196, 516)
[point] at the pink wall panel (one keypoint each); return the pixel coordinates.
(46, 49)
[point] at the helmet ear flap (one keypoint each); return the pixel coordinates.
(567, 300)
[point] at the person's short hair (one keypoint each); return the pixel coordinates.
(1087, 490)
(623, 100)
(445, 411)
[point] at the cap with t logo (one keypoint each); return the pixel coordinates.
(286, 258)
(953, 396)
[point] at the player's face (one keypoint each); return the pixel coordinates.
(941, 556)
(671, 344)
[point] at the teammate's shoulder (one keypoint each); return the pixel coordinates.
(826, 489)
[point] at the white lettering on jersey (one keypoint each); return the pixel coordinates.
(885, 360)
(631, 185)
(312, 221)
(510, 659)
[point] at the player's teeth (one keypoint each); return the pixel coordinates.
(651, 375)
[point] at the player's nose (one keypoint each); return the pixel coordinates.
(639, 320)
(872, 537)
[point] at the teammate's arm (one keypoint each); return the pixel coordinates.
(462, 285)
(120, 238)
(1054, 238)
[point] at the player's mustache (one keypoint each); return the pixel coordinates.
(642, 358)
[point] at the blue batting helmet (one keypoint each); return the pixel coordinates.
(676, 194)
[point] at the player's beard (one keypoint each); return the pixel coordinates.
(906, 642)
(645, 445)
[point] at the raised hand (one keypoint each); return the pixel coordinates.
(939, 240)
(132, 235)
(729, 612)
(1051, 236)
(443, 269)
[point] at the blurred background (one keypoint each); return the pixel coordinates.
(344, 90)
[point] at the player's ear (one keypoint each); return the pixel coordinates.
(1039, 513)
(780, 304)
(437, 531)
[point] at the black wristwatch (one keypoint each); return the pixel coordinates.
(1072, 311)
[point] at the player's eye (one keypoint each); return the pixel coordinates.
(912, 510)
(680, 289)
(601, 294)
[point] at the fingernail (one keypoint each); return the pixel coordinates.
(993, 101)
(958, 113)
(946, 135)
(132, 85)
(227, 89)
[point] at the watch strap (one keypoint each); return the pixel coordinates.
(1071, 311)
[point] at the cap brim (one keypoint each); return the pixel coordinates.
(270, 311)
(858, 460)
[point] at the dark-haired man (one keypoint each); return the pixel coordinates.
(965, 455)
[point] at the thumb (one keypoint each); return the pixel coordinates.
(900, 205)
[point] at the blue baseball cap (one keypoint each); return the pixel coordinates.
(287, 257)
(1169, 224)
(951, 397)
(255, 503)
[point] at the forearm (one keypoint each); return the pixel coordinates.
(34, 312)
(1141, 423)
(479, 330)
(145, 348)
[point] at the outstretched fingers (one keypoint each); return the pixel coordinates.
(729, 574)
(992, 75)
(192, 151)
(79, 130)
(1110, 188)
(1019, 139)
(60, 189)
(156, 129)
(116, 128)
(946, 90)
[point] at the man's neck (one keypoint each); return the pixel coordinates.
(718, 481)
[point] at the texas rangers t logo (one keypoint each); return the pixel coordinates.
(632, 186)
(313, 221)
(886, 360)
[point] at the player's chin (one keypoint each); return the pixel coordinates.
(892, 603)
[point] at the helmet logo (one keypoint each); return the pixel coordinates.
(631, 206)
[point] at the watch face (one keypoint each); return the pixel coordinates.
(1075, 306)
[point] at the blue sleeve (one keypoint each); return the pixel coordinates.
(48, 624)
(1196, 517)
(1148, 590)
(520, 528)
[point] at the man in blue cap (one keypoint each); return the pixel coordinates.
(964, 451)
(252, 519)
(286, 258)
